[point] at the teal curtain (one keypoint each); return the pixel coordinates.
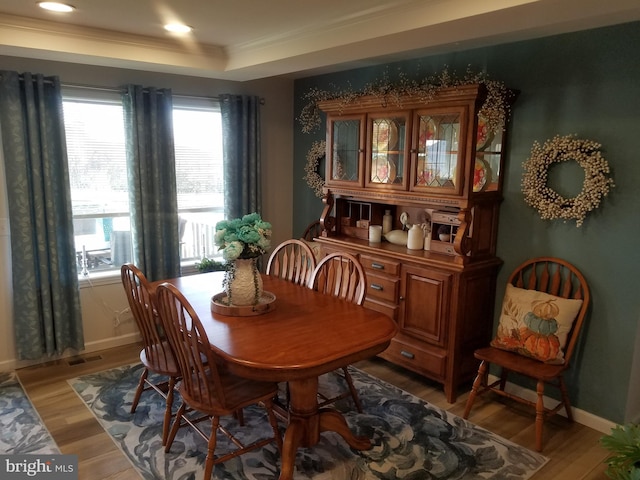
(46, 297)
(241, 146)
(153, 199)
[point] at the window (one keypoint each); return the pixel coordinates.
(94, 124)
(197, 132)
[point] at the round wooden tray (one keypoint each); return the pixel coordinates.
(265, 304)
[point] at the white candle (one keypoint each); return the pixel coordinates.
(375, 233)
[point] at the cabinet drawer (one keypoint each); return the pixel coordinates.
(431, 363)
(380, 265)
(382, 287)
(390, 310)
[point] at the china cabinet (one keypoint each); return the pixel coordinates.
(435, 163)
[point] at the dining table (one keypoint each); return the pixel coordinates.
(304, 335)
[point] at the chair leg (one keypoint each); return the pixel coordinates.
(540, 414)
(239, 415)
(565, 398)
(139, 389)
(504, 373)
(477, 383)
(274, 424)
(175, 427)
(168, 411)
(352, 389)
(211, 447)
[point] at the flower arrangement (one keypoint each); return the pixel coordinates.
(246, 237)
(495, 109)
(549, 203)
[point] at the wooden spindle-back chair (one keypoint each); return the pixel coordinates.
(341, 275)
(205, 386)
(293, 261)
(156, 354)
(555, 277)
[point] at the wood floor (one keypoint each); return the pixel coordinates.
(573, 449)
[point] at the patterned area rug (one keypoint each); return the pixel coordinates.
(21, 428)
(411, 439)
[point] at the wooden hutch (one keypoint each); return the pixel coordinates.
(431, 163)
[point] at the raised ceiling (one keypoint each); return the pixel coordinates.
(251, 39)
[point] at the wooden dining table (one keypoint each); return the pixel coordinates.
(305, 335)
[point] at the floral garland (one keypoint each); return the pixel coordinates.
(550, 204)
(311, 176)
(495, 109)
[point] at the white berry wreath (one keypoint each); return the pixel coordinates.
(311, 175)
(549, 203)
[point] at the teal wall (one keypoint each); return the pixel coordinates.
(585, 83)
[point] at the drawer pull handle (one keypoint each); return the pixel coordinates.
(379, 266)
(375, 286)
(406, 354)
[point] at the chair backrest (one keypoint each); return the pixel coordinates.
(190, 343)
(340, 274)
(555, 277)
(293, 261)
(313, 230)
(142, 305)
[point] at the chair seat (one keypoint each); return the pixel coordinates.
(160, 363)
(519, 364)
(238, 393)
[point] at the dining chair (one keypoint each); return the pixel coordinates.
(293, 261)
(313, 230)
(341, 275)
(206, 386)
(156, 355)
(542, 313)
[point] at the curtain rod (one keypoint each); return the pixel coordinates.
(121, 90)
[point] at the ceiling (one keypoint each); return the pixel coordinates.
(251, 39)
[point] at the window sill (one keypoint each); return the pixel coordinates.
(111, 277)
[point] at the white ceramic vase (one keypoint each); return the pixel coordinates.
(244, 283)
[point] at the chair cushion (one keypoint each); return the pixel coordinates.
(535, 324)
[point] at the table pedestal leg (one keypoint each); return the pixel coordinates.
(306, 422)
(333, 421)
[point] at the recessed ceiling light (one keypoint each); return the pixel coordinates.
(56, 7)
(177, 28)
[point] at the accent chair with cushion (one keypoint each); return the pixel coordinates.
(543, 310)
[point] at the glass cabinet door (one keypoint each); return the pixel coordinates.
(346, 152)
(438, 157)
(388, 147)
(488, 163)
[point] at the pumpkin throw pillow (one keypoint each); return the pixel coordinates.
(535, 324)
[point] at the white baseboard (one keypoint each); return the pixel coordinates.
(105, 344)
(91, 347)
(584, 418)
